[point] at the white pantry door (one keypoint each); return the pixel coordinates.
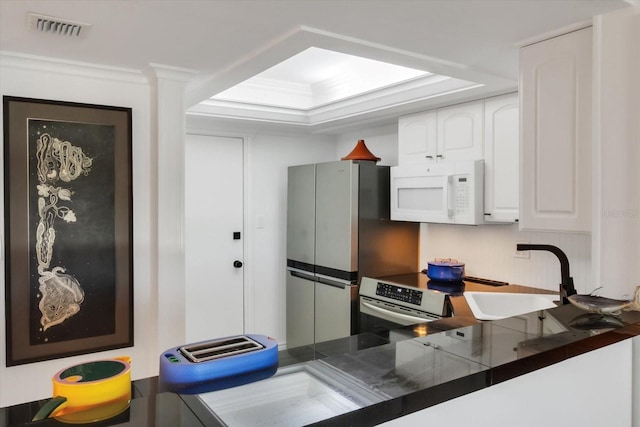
(213, 254)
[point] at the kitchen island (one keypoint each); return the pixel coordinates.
(403, 372)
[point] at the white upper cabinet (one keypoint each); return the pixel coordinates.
(501, 159)
(460, 129)
(417, 140)
(447, 134)
(555, 85)
(485, 129)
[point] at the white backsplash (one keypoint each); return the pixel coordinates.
(488, 251)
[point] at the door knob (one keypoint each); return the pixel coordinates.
(237, 264)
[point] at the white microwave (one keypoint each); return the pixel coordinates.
(444, 192)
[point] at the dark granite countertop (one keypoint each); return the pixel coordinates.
(441, 365)
(414, 367)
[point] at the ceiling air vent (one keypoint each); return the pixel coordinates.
(53, 25)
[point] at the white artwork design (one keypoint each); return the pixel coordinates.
(58, 162)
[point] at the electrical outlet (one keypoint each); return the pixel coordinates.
(522, 254)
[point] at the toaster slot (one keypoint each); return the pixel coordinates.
(216, 349)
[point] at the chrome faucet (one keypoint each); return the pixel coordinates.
(566, 285)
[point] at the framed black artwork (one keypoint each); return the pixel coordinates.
(68, 229)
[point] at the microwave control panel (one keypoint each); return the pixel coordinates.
(461, 196)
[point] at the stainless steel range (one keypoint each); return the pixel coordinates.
(407, 299)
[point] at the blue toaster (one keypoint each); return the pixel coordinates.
(217, 364)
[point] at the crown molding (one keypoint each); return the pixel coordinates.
(72, 68)
(409, 92)
(169, 72)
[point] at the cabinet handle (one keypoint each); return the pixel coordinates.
(440, 156)
(429, 157)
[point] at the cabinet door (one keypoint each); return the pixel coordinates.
(460, 132)
(501, 159)
(417, 138)
(556, 133)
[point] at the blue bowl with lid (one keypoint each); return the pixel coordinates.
(445, 270)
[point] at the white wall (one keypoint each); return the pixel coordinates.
(38, 78)
(488, 251)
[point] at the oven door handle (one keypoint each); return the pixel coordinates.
(395, 314)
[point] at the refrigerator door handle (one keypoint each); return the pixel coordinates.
(302, 274)
(333, 281)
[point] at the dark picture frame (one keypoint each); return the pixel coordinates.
(68, 219)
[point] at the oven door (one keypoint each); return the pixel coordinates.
(379, 316)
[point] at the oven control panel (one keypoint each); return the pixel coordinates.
(399, 293)
(404, 296)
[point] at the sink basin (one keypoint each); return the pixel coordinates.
(296, 395)
(499, 305)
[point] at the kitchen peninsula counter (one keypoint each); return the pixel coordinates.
(452, 357)
(414, 367)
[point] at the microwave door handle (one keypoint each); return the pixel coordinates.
(448, 194)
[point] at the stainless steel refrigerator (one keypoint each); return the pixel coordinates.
(339, 230)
